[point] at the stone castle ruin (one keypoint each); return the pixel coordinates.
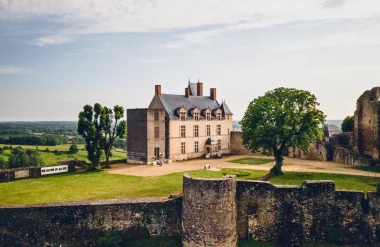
(362, 147)
(367, 115)
(211, 212)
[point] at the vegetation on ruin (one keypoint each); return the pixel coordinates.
(252, 161)
(52, 155)
(79, 186)
(348, 124)
(100, 126)
(282, 118)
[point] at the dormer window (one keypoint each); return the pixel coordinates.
(196, 114)
(218, 114)
(208, 115)
(182, 114)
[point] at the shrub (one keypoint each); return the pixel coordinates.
(3, 163)
(73, 149)
(348, 124)
(1, 150)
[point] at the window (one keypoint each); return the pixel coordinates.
(156, 132)
(219, 130)
(183, 131)
(196, 116)
(219, 144)
(208, 130)
(228, 131)
(183, 147)
(196, 147)
(182, 114)
(196, 130)
(156, 116)
(218, 116)
(228, 117)
(208, 116)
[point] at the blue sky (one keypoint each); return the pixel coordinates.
(56, 56)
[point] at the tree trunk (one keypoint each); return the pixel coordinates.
(277, 169)
(108, 156)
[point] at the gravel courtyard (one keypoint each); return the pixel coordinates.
(290, 164)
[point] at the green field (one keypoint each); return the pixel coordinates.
(101, 185)
(252, 161)
(50, 158)
(368, 168)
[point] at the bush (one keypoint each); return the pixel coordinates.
(73, 149)
(21, 158)
(47, 150)
(3, 163)
(6, 147)
(348, 124)
(1, 150)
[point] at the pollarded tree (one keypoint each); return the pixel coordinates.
(348, 124)
(282, 118)
(90, 127)
(114, 127)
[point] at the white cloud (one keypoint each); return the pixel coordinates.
(199, 37)
(11, 70)
(112, 16)
(52, 40)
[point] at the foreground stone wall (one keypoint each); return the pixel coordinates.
(209, 212)
(82, 224)
(290, 215)
(212, 212)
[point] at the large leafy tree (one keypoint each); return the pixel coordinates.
(282, 118)
(348, 124)
(90, 127)
(114, 126)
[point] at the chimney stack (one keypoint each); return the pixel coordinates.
(158, 90)
(213, 94)
(199, 89)
(187, 92)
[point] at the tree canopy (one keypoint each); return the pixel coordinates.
(282, 118)
(100, 126)
(348, 124)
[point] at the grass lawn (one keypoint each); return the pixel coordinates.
(342, 182)
(50, 158)
(101, 185)
(368, 168)
(252, 161)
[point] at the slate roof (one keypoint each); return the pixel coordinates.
(173, 102)
(331, 129)
(193, 89)
(225, 109)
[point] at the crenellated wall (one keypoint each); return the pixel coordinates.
(211, 212)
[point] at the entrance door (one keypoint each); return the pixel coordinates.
(157, 153)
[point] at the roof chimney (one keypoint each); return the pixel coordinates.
(187, 92)
(199, 89)
(213, 94)
(158, 90)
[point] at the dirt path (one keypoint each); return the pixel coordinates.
(289, 165)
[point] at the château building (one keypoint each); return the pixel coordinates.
(183, 126)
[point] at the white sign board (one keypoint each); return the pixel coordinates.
(54, 169)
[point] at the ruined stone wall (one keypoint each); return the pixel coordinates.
(237, 146)
(349, 157)
(317, 151)
(84, 223)
(367, 123)
(209, 212)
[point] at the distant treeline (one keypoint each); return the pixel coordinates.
(17, 128)
(36, 140)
